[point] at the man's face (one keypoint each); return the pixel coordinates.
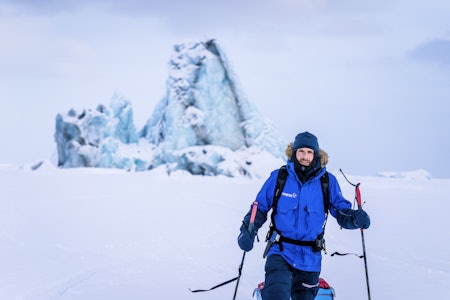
(304, 156)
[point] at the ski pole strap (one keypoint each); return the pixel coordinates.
(214, 287)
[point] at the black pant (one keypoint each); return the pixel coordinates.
(283, 282)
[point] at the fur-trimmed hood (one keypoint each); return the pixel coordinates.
(322, 154)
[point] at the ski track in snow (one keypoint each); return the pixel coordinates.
(67, 285)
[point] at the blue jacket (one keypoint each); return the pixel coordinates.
(300, 214)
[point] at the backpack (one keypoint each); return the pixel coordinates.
(274, 236)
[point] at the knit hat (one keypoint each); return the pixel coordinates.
(307, 140)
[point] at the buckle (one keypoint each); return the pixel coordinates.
(320, 245)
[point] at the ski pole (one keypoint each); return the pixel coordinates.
(250, 229)
(359, 202)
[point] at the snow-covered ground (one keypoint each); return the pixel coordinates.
(110, 234)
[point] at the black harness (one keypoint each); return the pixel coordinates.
(319, 243)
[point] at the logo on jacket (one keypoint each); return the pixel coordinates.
(293, 195)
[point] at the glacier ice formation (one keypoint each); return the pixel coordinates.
(204, 125)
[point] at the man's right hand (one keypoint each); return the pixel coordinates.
(245, 239)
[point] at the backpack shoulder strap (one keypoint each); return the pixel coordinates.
(281, 180)
(325, 182)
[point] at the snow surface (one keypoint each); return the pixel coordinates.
(92, 233)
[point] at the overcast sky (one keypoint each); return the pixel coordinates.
(370, 78)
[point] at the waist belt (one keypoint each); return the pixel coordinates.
(317, 245)
(296, 242)
(273, 237)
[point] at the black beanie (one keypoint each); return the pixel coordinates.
(307, 140)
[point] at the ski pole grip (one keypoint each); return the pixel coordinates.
(358, 196)
(252, 216)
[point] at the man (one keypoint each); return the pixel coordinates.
(294, 262)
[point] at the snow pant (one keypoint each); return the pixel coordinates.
(283, 282)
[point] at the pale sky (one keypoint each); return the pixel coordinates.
(370, 78)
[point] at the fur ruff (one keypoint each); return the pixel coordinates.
(322, 154)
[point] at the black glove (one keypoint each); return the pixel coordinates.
(246, 238)
(353, 219)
